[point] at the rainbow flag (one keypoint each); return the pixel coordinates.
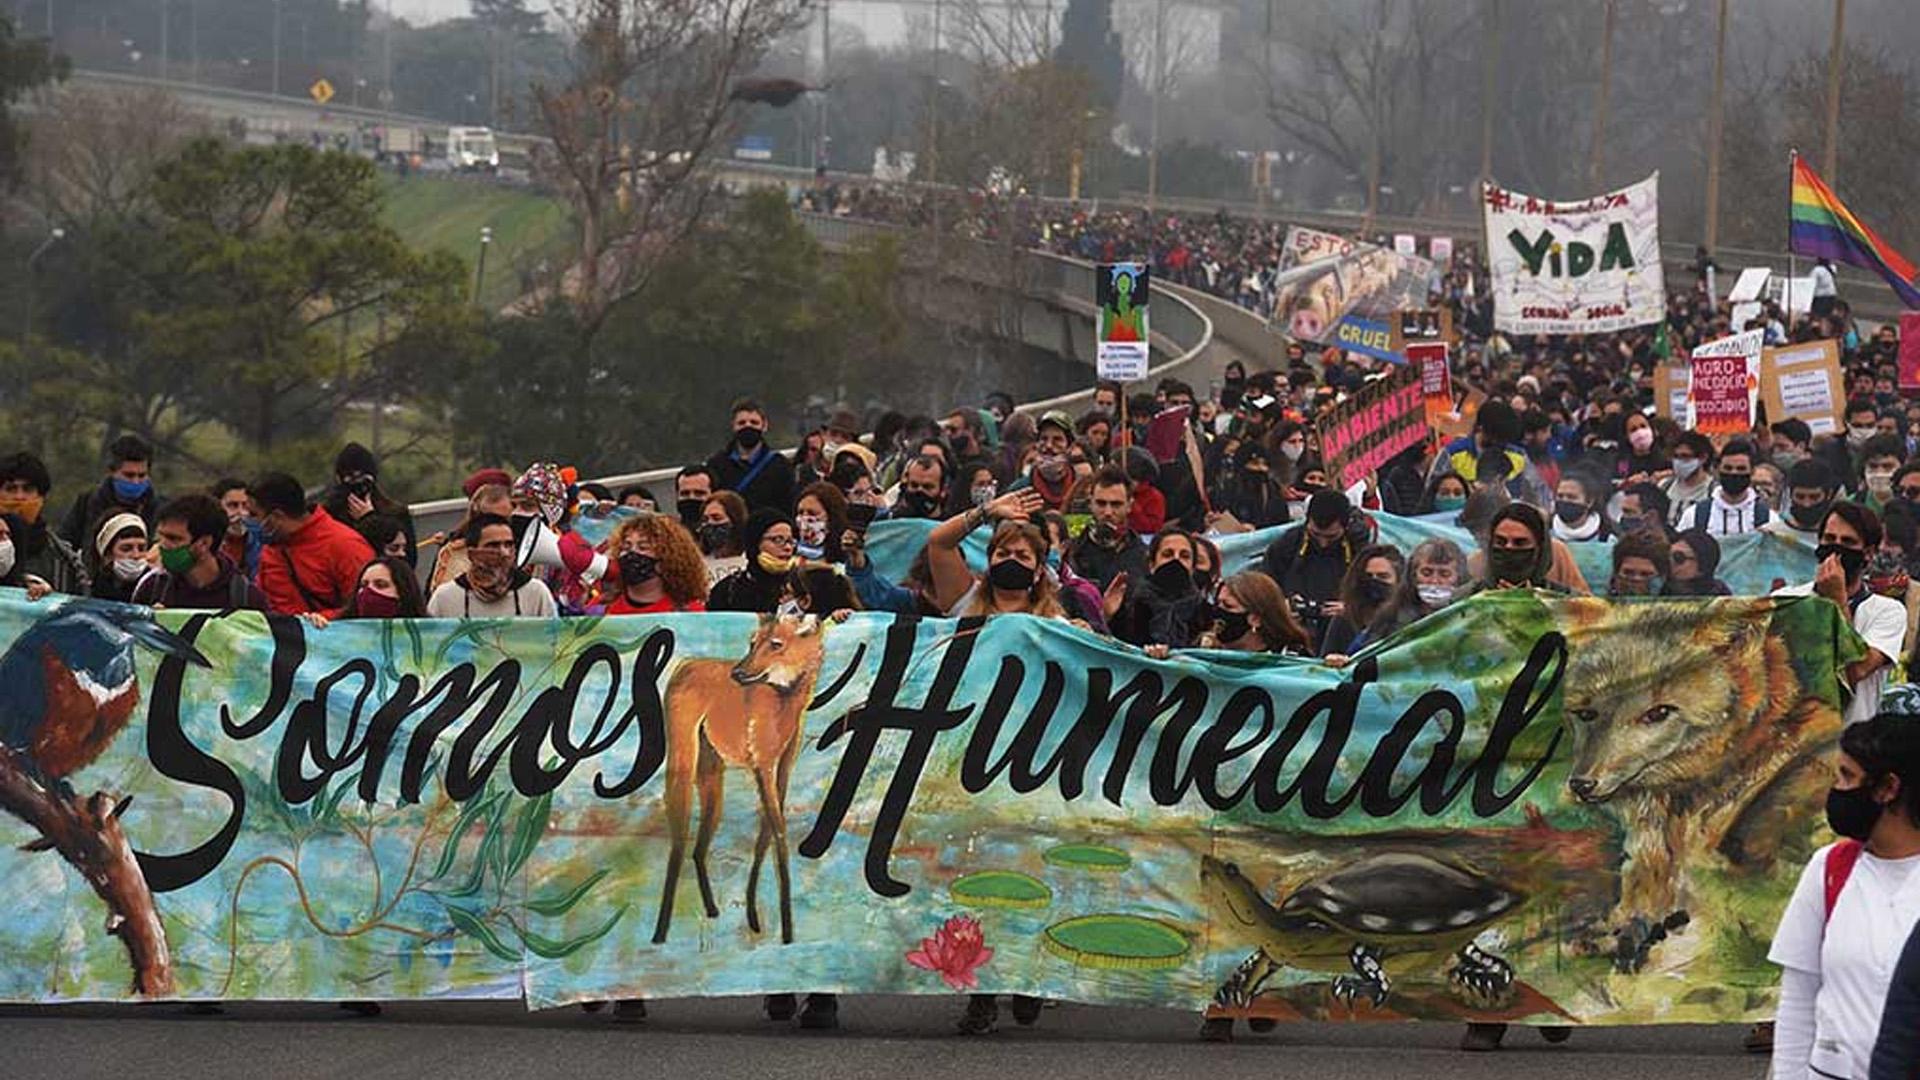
(1820, 225)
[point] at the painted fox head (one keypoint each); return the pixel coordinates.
(1660, 701)
(786, 652)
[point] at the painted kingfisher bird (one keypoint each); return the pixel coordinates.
(68, 685)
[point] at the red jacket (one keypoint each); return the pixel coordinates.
(325, 559)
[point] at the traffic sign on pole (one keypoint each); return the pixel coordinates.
(321, 91)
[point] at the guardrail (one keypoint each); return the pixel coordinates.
(1061, 281)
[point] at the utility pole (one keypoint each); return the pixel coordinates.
(1714, 121)
(1490, 65)
(386, 63)
(1153, 109)
(826, 80)
(193, 39)
(1834, 52)
(933, 123)
(1597, 150)
(166, 21)
(276, 48)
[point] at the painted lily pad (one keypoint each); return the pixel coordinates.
(1001, 888)
(1098, 858)
(1117, 943)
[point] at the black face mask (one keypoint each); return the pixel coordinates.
(1172, 578)
(1810, 517)
(1234, 625)
(1374, 591)
(690, 511)
(1852, 813)
(714, 536)
(748, 437)
(1010, 575)
(1735, 484)
(1851, 561)
(917, 504)
(637, 569)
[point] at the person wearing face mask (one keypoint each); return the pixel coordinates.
(38, 550)
(1640, 566)
(770, 544)
(1811, 490)
(1857, 902)
(1309, 561)
(819, 522)
(1791, 438)
(1167, 608)
(1863, 423)
(1644, 461)
(1880, 457)
(493, 586)
(1518, 554)
(1051, 473)
(451, 561)
(128, 488)
(1577, 516)
(1108, 549)
(12, 574)
(1251, 617)
(748, 466)
(691, 489)
(1692, 479)
(356, 494)
(1367, 590)
(923, 488)
(388, 589)
(722, 519)
(1250, 493)
(193, 574)
(660, 569)
(1734, 507)
(120, 558)
(1848, 536)
(1447, 495)
(1016, 581)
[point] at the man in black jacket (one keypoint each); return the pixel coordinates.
(1107, 549)
(128, 488)
(747, 465)
(1310, 560)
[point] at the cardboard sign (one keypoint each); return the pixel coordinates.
(1804, 381)
(1910, 350)
(1429, 358)
(1670, 392)
(1383, 418)
(1724, 384)
(1121, 292)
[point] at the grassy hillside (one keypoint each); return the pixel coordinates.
(436, 212)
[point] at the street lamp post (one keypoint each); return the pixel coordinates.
(26, 326)
(480, 270)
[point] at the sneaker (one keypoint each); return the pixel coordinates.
(1759, 1038)
(630, 1011)
(1026, 1010)
(821, 1013)
(361, 1008)
(1483, 1037)
(1216, 1029)
(981, 1017)
(780, 1007)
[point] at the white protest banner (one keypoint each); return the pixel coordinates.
(1724, 384)
(1405, 244)
(1584, 267)
(1440, 249)
(1752, 281)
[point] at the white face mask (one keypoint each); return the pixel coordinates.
(1434, 595)
(1880, 481)
(1685, 468)
(6, 557)
(1641, 439)
(812, 530)
(129, 569)
(1293, 450)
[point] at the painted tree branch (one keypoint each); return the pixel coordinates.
(86, 832)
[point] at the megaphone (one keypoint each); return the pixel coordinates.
(541, 546)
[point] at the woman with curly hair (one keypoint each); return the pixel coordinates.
(660, 567)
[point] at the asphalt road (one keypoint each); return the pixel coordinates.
(880, 1038)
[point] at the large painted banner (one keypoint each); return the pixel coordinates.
(1582, 267)
(1336, 291)
(1522, 808)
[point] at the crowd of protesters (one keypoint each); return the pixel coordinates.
(1564, 445)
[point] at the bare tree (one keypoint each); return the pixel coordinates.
(648, 100)
(93, 152)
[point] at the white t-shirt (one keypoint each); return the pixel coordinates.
(1822, 281)
(532, 600)
(1882, 621)
(1854, 953)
